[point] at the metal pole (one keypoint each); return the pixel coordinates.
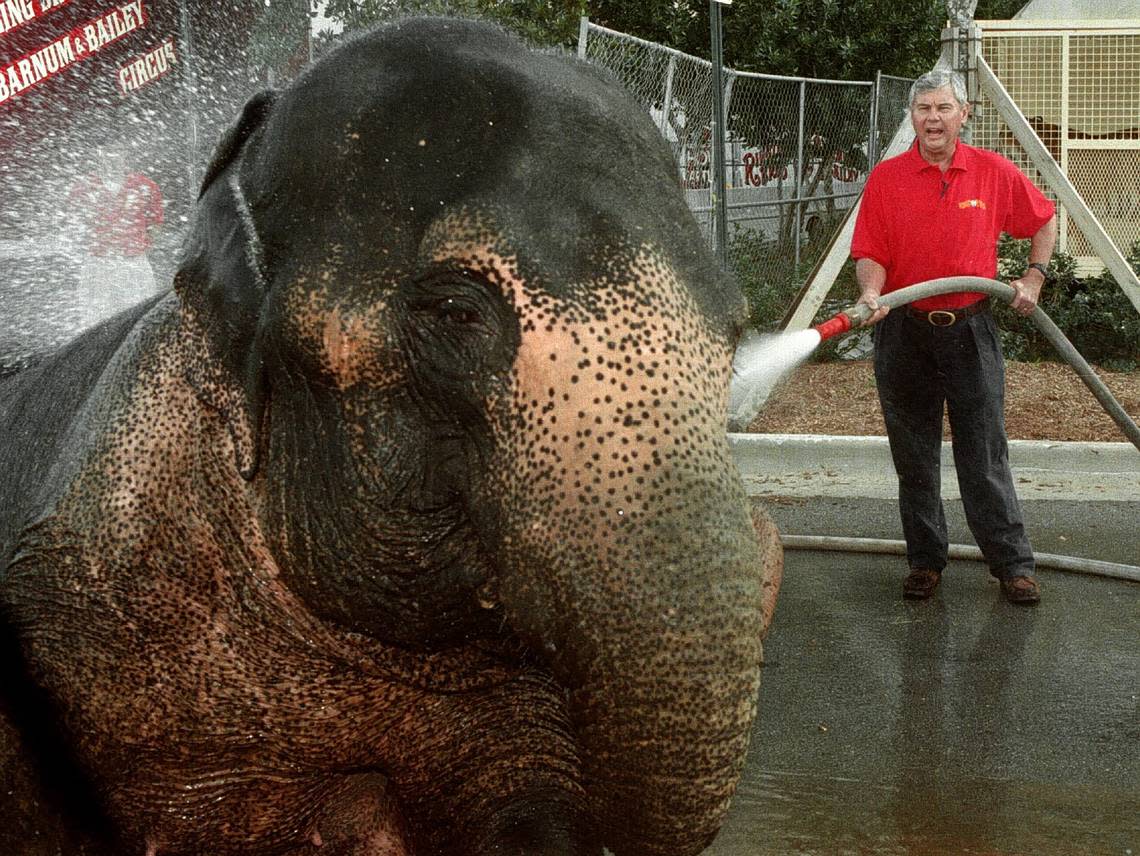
(717, 184)
(190, 86)
(734, 147)
(873, 136)
(583, 34)
(667, 99)
(310, 20)
(800, 166)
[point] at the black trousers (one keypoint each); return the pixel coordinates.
(921, 369)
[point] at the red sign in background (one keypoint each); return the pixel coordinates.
(61, 53)
(16, 13)
(77, 73)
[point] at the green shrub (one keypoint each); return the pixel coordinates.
(771, 280)
(1094, 313)
(767, 275)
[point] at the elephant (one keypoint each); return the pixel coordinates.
(405, 522)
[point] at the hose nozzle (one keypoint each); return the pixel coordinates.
(840, 323)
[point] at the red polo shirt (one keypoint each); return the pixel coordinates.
(118, 220)
(920, 223)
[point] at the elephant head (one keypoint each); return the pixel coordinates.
(474, 358)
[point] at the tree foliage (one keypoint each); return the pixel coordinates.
(278, 34)
(830, 39)
(837, 39)
(540, 21)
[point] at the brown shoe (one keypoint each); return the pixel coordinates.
(1024, 590)
(921, 583)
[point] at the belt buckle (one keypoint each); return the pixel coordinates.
(935, 314)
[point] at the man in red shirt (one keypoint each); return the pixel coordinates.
(118, 209)
(122, 214)
(936, 211)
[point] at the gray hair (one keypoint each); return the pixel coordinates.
(936, 79)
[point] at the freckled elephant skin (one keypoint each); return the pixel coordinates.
(406, 523)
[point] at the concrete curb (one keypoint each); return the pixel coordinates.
(825, 465)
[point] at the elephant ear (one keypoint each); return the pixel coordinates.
(221, 284)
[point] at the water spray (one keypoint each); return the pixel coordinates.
(751, 387)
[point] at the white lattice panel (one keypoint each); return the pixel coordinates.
(1079, 87)
(1104, 87)
(1109, 181)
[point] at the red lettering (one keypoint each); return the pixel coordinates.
(750, 178)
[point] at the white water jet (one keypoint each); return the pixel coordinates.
(762, 361)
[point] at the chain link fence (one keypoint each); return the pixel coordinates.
(797, 152)
(892, 109)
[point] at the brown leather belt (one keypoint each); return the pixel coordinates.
(947, 317)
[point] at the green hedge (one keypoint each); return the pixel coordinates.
(1093, 312)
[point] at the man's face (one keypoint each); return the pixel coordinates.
(937, 118)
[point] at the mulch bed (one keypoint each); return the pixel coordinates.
(1044, 401)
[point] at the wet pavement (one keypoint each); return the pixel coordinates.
(959, 725)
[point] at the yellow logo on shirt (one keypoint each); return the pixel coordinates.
(973, 203)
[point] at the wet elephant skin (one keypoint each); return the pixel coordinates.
(406, 523)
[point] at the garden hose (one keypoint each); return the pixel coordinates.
(855, 315)
(879, 546)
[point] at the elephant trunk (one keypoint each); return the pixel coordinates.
(664, 724)
(657, 635)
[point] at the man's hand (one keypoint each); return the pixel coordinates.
(1027, 289)
(1028, 285)
(871, 301)
(871, 275)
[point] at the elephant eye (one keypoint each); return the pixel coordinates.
(457, 311)
(457, 300)
(459, 329)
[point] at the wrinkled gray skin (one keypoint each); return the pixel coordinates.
(407, 523)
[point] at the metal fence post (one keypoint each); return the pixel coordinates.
(583, 32)
(800, 171)
(719, 201)
(726, 110)
(668, 99)
(190, 87)
(873, 134)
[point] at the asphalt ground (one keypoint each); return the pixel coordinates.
(958, 725)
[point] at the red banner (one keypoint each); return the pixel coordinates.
(16, 13)
(60, 54)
